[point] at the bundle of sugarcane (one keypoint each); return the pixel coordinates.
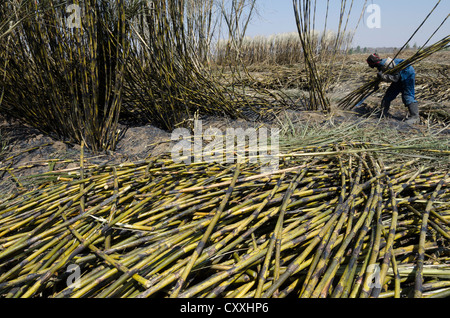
(167, 79)
(166, 82)
(327, 223)
(320, 54)
(65, 77)
(367, 89)
(318, 98)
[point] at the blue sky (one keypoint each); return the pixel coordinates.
(399, 20)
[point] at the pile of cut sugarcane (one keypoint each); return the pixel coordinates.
(333, 221)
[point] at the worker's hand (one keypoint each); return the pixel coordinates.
(389, 78)
(377, 87)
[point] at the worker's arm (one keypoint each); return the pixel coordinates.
(389, 78)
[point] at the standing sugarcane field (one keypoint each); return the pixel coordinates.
(155, 149)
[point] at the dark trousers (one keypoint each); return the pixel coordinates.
(406, 87)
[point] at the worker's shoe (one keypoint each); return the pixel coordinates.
(385, 105)
(414, 117)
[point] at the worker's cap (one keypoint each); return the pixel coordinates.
(373, 60)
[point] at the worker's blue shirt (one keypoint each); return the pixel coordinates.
(405, 74)
(405, 86)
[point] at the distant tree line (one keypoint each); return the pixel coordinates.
(359, 49)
